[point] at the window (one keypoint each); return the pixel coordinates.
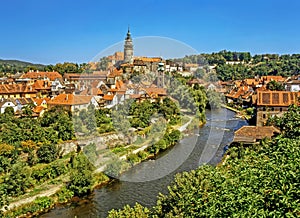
(264, 116)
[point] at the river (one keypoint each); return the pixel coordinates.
(145, 181)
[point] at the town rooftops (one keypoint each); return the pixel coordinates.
(100, 75)
(277, 98)
(39, 101)
(148, 59)
(70, 99)
(41, 75)
(42, 84)
(155, 92)
(16, 89)
(250, 134)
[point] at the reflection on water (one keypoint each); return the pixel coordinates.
(211, 139)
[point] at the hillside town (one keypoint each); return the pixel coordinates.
(34, 92)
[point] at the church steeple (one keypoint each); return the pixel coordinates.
(128, 34)
(128, 48)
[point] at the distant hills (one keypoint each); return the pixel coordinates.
(14, 66)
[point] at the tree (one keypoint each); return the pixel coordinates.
(9, 111)
(102, 64)
(47, 153)
(80, 182)
(138, 211)
(214, 99)
(275, 86)
(81, 179)
(289, 124)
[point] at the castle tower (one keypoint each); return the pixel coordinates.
(160, 75)
(128, 48)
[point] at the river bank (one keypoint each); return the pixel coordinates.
(239, 113)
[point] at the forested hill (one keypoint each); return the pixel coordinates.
(240, 65)
(13, 66)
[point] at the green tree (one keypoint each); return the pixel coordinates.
(214, 99)
(275, 86)
(138, 211)
(81, 179)
(47, 153)
(9, 111)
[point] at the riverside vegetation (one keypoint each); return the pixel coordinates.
(259, 180)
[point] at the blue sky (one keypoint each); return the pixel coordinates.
(51, 31)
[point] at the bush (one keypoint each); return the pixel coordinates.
(64, 195)
(47, 153)
(133, 158)
(143, 155)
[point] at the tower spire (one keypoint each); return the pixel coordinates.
(128, 48)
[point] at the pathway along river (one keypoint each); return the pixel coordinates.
(207, 147)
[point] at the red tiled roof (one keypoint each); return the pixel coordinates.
(108, 97)
(252, 82)
(135, 96)
(40, 75)
(16, 89)
(253, 133)
(277, 98)
(276, 78)
(147, 59)
(39, 101)
(38, 109)
(115, 73)
(41, 85)
(70, 99)
(97, 75)
(155, 92)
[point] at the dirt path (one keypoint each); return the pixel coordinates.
(45, 193)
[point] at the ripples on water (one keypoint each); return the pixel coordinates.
(209, 143)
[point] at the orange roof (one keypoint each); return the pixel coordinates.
(38, 109)
(240, 92)
(100, 75)
(70, 99)
(135, 96)
(277, 98)
(253, 133)
(16, 89)
(119, 84)
(245, 96)
(108, 97)
(155, 92)
(146, 59)
(115, 73)
(276, 78)
(251, 82)
(191, 65)
(40, 75)
(39, 101)
(41, 84)
(91, 91)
